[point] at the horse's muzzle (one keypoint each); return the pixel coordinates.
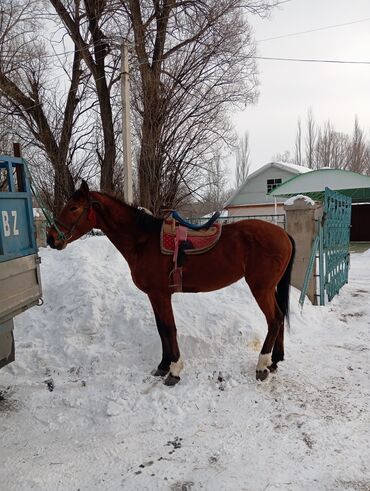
(55, 244)
(50, 241)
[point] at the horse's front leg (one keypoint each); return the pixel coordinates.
(171, 362)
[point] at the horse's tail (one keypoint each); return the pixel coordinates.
(283, 287)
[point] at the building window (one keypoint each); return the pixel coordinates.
(272, 184)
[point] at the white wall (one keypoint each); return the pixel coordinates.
(255, 189)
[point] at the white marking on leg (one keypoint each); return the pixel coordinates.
(264, 361)
(176, 367)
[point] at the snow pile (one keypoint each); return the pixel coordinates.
(80, 410)
(293, 199)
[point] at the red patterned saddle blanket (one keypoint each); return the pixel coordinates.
(178, 241)
(194, 241)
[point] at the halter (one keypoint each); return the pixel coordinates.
(66, 236)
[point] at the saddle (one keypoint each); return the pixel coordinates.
(180, 238)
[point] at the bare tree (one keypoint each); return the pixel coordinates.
(192, 62)
(332, 148)
(359, 148)
(195, 64)
(286, 157)
(242, 160)
(298, 144)
(85, 26)
(326, 147)
(339, 150)
(311, 137)
(41, 116)
(216, 194)
(5, 137)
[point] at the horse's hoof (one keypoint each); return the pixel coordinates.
(262, 374)
(171, 380)
(159, 372)
(273, 367)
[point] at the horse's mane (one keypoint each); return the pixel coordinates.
(145, 220)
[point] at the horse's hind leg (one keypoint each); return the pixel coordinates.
(267, 303)
(278, 350)
(171, 361)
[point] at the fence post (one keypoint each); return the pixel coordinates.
(301, 223)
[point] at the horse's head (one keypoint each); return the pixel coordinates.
(75, 220)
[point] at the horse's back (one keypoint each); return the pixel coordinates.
(268, 249)
(261, 232)
(245, 248)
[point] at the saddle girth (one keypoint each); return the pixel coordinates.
(179, 241)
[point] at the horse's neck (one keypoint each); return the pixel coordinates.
(117, 220)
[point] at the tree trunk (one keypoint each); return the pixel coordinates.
(150, 160)
(63, 186)
(109, 158)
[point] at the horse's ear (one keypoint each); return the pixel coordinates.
(84, 188)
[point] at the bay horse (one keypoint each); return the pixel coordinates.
(259, 251)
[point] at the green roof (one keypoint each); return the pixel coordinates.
(312, 184)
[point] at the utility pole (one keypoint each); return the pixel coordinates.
(126, 133)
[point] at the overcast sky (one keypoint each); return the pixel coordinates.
(287, 89)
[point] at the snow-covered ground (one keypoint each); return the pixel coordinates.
(79, 409)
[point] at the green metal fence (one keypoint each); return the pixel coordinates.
(331, 247)
(336, 234)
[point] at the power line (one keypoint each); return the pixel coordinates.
(311, 60)
(315, 30)
(26, 109)
(45, 56)
(270, 58)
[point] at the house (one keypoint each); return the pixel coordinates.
(352, 184)
(252, 199)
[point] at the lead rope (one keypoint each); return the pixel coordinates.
(49, 219)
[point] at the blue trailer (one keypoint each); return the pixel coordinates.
(20, 281)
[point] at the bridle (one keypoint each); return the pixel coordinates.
(66, 236)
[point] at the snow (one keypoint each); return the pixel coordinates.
(293, 199)
(300, 169)
(80, 410)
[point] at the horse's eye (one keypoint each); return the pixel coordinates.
(73, 208)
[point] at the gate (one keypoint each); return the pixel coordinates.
(331, 247)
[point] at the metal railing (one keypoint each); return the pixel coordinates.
(277, 219)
